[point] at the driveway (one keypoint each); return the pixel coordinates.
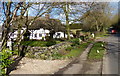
(110, 61)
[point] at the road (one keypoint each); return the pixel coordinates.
(110, 61)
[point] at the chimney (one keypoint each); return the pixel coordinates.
(47, 16)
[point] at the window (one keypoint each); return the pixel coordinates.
(40, 35)
(35, 35)
(58, 34)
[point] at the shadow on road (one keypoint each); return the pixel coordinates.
(13, 65)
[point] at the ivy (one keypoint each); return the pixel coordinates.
(5, 60)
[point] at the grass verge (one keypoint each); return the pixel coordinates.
(97, 51)
(102, 34)
(40, 43)
(75, 51)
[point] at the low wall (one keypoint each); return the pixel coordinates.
(46, 52)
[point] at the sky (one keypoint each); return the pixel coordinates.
(113, 5)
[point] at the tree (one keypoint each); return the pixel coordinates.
(98, 19)
(71, 12)
(11, 12)
(23, 21)
(115, 21)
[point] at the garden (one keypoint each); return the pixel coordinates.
(24, 24)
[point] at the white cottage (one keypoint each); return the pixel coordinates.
(42, 27)
(40, 34)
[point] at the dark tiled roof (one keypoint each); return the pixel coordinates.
(46, 23)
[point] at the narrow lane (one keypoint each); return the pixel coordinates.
(110, 61)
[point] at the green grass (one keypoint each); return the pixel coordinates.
(76, 51)
(102, 34)
(34, 43)
(38, 43)
(93, 55)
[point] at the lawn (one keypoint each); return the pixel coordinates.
(97, 51)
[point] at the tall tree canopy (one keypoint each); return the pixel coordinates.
(98, 18)
(71, 12)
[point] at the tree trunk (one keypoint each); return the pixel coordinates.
(51, 34)
(64, 34)
(67, 21)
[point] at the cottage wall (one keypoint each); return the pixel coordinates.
(41, 34)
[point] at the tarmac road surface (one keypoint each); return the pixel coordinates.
(111, 60)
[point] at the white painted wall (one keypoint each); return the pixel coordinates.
(38, 34)
(59, 35)
(41, 33)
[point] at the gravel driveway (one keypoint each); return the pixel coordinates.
(36, 66)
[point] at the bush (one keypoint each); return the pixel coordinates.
(47, 38)
(61, 39)
(50, 43)
(75, 42)
(69, 48)
(82, 38)
(56, 56)
(5, 60)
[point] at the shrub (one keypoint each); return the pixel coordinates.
(47, 38)
(82, 38)
(69, 48)
(50, 43)
(5, 60)
(56, 56)
(75, 42)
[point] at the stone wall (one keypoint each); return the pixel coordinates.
(46, 52)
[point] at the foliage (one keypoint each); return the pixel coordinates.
(101, 34)
(40, 43)
(50, 43)
(71, 13)
(12, 10)
(76, 51)
(75, 41)
(94, 55)
(97, 19)
(57, 56)
(69, 48)
(4, 60)
(75, 26)
(82, 38)
(115, 21)
(34, 43)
